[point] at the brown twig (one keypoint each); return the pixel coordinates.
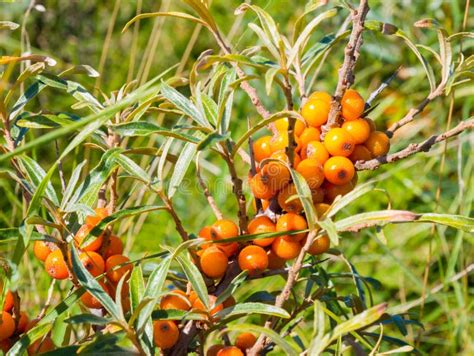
(413, 148)
(346, 73)
(177, 221)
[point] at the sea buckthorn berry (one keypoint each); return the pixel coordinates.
(229, 249)
(312, 172)
(230, 351)
(276, 174)
(339, 170)
(177, 299)
(214, 349)
(359, 130)
(41, 346)
(7, 326)
(93, 262)
(259, 225)
(100, 213)
(114, 275)
(282, 156)
(279, 142)
(253, 259)
(260, 189)
(112, 246)
(205, 233)
(309, 134)
(22, 323)
(315, 150)
(92, 302)
(265, 204)
(378, 144)
(321, 209)
(315, 112)
(245, 341)
(292, 222)
(282, 126)
(317, 195)
(332, 190)
(41, 250)
(274, 261)
(224, 229)
(352, 105)
(339, 142)
(93, 244)
(371, 123)
(5, 345)
(229, 302)
(292, 206)
(199, 305)
(320, 95)
(55, 265)
(213, 262)
(261, 148)
(361, 153)
(286, 249)
(165, 333)
(9, 301)
(319, 245)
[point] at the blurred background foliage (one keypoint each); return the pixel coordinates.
(408, 260)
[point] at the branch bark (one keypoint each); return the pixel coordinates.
(413, 148)
(346, 73)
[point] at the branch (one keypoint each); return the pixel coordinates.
(346, 73)
(413, 148)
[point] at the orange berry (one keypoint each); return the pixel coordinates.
(332, 190)
(112, 246)
(321, 208)
(41, 250)
(9, 301)
(114, 275)
(213, 262)
(90, 301)
(175, 300)
(315, 150)
(361, 153)
(41, 346)
(259, 225)
(55, 265)
(292, 206)
(22, 323)
(320, 95)
(261, 148)
(359, 129)
(317, 195)
(286, 249)
(260, 189)
(229, 302)
(165, 333)
(199, 305)
(339, 142)
(316, 112)
(245, 341)
(7, 326)
(309, 134)
(5, 345)
(282, 126)
(339, 170)
(229, 249)
(352, 105)
(292, 222)
(371, 124)
(214, 349)
(224, 229)
(378, 144)
(230, 351)
(100, 213)
(93, 262)
(253, 259)
(93, 244)
(279, 142)
(274, 261)
(276, 174)
(282, 156)
(319, 245)
(312, 172)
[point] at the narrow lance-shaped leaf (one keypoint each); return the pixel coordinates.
(185, 158)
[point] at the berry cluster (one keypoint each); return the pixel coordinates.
(102, 254)
(243, 342)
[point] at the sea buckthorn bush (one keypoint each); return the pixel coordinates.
(246, 199)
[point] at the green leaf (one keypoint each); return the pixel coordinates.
(129, 166)
(171, 314)
(27, 339)
(304, 194)
(72, 184)
(87, 319)
(145, 129)
(457, 221)
(185, 158)
(194, 276)
(181, 15)
(360, 221)
(253, 308)
(45, 121)
(211, 139)
(233, 285)
(92, 286)
(345, 200)
(8, 25)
